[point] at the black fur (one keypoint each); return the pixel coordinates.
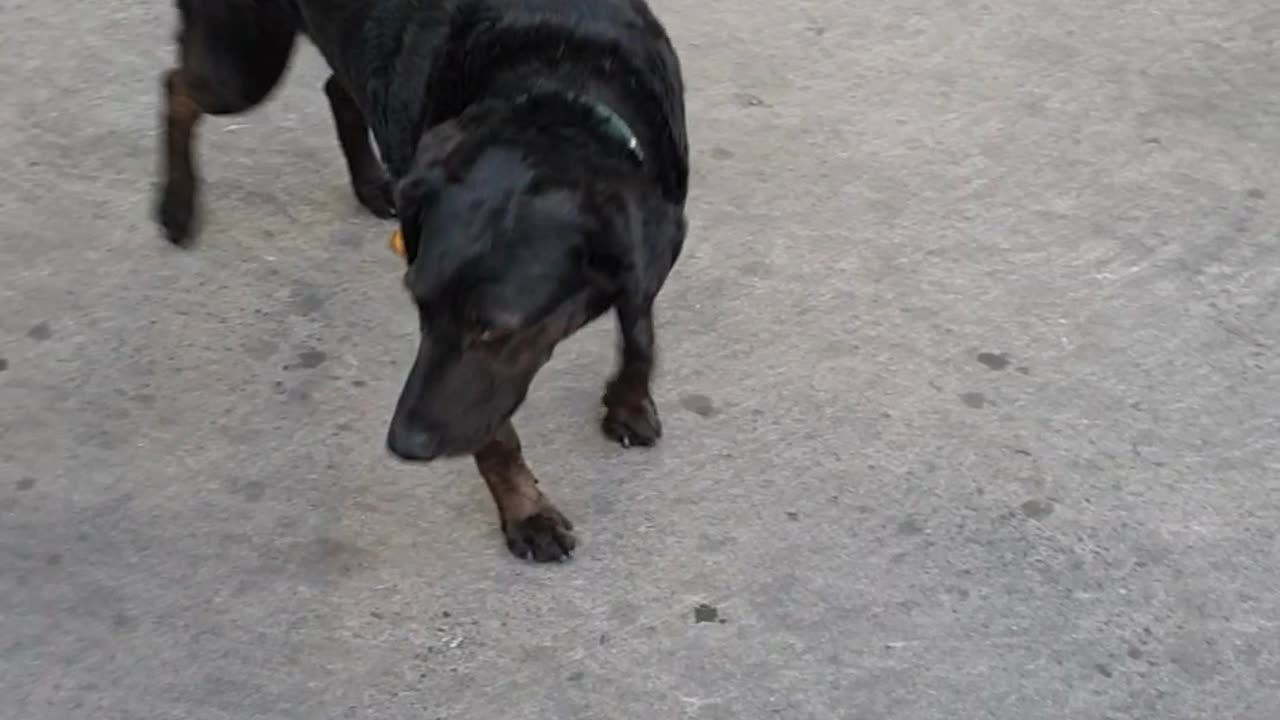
(523, 220)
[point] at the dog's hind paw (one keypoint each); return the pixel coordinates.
(175, 212)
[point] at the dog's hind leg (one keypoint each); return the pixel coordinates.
(631, 417)
(177, 193)
(231, 55)
(533, 527)
(368, 179)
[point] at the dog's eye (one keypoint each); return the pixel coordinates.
(488, 340)
(492, 327)
(486, 334)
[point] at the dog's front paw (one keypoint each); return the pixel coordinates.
(631, 420)
(545, 536)
(175, 211)
(377, 197)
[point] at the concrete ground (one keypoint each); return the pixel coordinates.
(970, 387)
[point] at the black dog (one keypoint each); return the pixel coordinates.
(535, 152)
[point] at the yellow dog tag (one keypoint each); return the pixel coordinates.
(397, 244)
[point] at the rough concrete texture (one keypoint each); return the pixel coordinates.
(970, 389)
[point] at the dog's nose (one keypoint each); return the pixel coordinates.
(409, 443)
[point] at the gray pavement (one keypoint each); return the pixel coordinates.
(970, 387)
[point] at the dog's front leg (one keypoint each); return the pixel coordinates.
(534, 528)
(368, 179)
(631, 417)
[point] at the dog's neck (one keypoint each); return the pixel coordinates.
(604, 119)
(536, 88)
(574, 124)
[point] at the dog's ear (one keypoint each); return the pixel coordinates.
(439, 237)
(415, 196)
(418, 191)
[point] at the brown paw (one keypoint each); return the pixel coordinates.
(545, 536)
(633, 421)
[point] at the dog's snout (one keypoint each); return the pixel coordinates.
(409, 443)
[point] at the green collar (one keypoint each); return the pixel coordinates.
(609, 122)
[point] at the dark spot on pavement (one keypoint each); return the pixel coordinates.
(261, 349)
(358, 383)
(40, 331)
(698, 404)
(576, 676)
(312, 358)
(793, 516)
(1152, 141)
(1103, 670)
(307, 302)
(758, 269)
(975, 400)
(748, 100)
(54, 560)
(82, 536)
(1023, 370)
(1036, 509)
(335, 555)
(1134, 653)
(712, 543)
(144, 399)
(1033, 483)
(994, 361)
(26, 483)
(4, 364)
(254, 490)
(122, 621)
(1256, 193)
(910, 526)
(376, 615)
(705, 613)
(720, 153)
(101, 438)
(308, 359)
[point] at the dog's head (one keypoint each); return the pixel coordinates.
(503, 265)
